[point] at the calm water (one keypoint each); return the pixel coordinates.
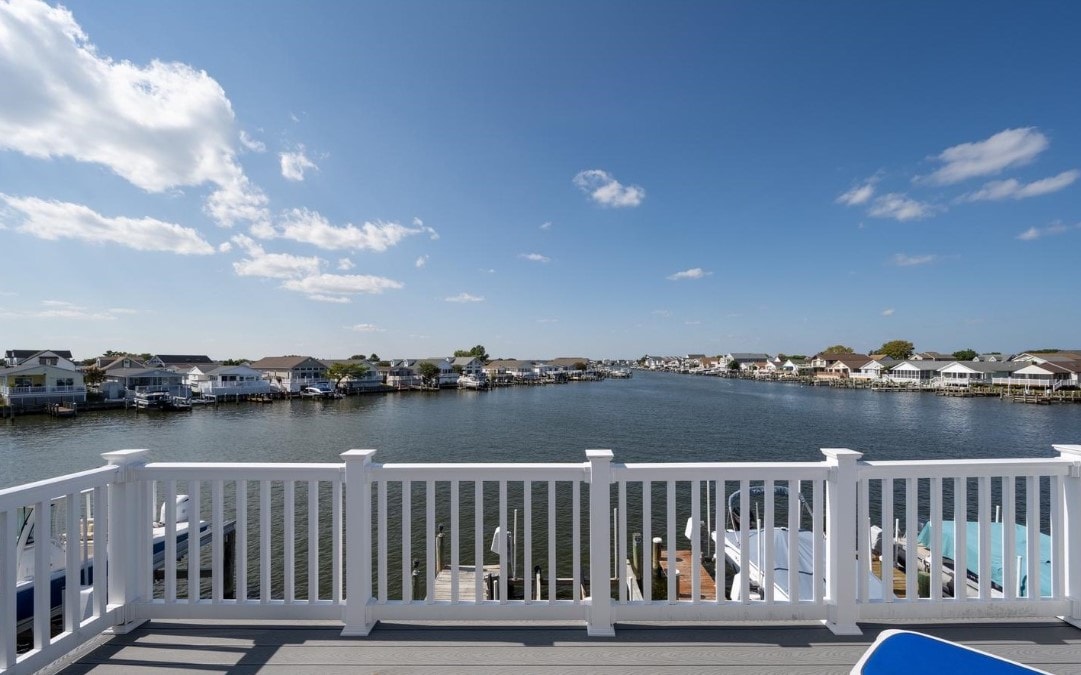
(651, 417)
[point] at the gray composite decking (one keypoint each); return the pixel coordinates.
(316, 647)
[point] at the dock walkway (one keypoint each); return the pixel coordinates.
(315, 647)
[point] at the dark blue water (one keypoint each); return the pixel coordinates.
(651, 417)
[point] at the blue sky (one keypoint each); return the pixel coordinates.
(595, 179)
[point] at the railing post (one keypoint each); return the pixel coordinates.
(1071, 503)
(600, 544)
(358, 543)
(127, 501)
(841, 568)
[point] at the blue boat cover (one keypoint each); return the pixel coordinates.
(903, 652)
(972, 556)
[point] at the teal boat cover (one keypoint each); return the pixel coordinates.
(972, 552)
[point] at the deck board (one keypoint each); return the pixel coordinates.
(310, 647)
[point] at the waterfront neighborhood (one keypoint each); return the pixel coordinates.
(52, 380)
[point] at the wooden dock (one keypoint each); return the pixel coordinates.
(684, 564)
(467, 582)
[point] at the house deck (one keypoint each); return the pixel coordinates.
(218, 646)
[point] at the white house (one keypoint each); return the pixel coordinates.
(1043, 375)
(60, 358)
(915, 371)
(966, 373)
(35, 384)
(237, 380)
(292, 373)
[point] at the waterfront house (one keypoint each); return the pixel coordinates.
(931, 356)
(291, 373)
(179, 362)
(219, 380)
(401, 374)
(371, 380)
(914, 372)
(796, 367)
(501, 370)
(1047, 375)
(124, 381)
(875, 369)
(991, 357)
(746, 360)
(842, 366)
(35, 384)
(60, 358)
(468, 365)
(966, 373)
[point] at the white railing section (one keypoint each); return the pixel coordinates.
(364, 542)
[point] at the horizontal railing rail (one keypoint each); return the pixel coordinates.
(596, 541)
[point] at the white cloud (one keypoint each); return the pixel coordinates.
(547, 320)
(604, 189)
(345, 264)
(887, 312)
(1009, 148)
(903, 260)
(158, 126)
(535, 257)
(52, 220)
(295, 163)
(61, 309)
(251, 143)
(335, 287)
(310, 227)
(225, 247)
(1033, 233)
(900, 207)
(859, 194)
(465, 297)
(546, 225)
(366, 328)
(693, 273)
(421, 261)
(664, 313)
(259, 263)
(1013, 189)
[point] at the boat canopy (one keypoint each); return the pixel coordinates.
(972, 552)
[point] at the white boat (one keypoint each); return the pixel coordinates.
(473, 381)
(27, 548)
(319, 391)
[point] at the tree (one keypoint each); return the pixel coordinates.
(234, 362)
(93, 376)
(896, 349)
(358, 357)
(580, 365)
(479, 352)
(429, 373)
(838, 349)
(965, 354)
(339, 371)
(733, 365)
(375, 357)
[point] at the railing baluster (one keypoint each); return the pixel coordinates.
(1058, 541)
(819, 546)
(767, 553)
(527, 542)
(670, 519)
(720, 569)
(696, 538)
(620, 537)
(647, 541)
(911, 556)
(984, 496)
(336, 540)
(194, 536)
(313, 541)
(429, 565)
(960, 538)
(72, 569)
(101, 536)
(264, 542)
(1032, 532)
(1010, 573)
(793, 565)
(576, 539)
(289, 540)
(241, 548)
(551, 542)
(937, 537)
(384, 546)
(744, 541)
(407, 540)
(9, 540)
(478, 541)
(503, 545)
(455, 524)
(889, 537)
(217, 543)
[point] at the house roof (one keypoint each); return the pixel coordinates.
(987, 367)
(568, 361)
(20, 355)
(917, 365)
(749, 356)
(178, 359)
(281, 362)
(30, 367)
(511, 364)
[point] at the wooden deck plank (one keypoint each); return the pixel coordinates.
(407, 647)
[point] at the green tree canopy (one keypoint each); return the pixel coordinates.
(838, 349)
(580, 365)
(429, 372)
(965, 354)
(93, 376)
(339, 371)
(896, 349)
(234, 362)
(478, 351)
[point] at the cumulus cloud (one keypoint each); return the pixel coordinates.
(535, 257)
(53, 220)
(859, 194)
(1033, 233)
(693, 273)
(546, 225)
(310, 227)
(900, 207)
(365, 328)
(1014, 189)
(1009, 148)
(345, 264)
(465, 297)
(295, 163)
(259, 263)
(338, 287)
(250, 143)
(887, 312)
(604, 189)
(62, 309)
(421, 261)
(903, 260)
(159, 126)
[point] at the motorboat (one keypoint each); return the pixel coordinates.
(476, 381)
(321, 390)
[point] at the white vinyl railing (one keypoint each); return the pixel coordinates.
(363, 542)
